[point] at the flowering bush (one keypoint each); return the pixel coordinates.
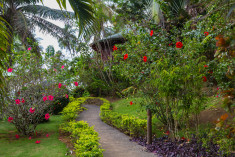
(31, 93)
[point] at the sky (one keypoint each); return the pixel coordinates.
(47, 39)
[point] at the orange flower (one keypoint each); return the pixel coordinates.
(224, 117)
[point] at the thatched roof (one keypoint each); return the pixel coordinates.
(108, 42)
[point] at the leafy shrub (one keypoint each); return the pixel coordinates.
(59, 105)
(70, 112)
(128, 124)
(78, 92)
(85, 139)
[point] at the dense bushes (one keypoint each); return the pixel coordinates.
(78, 92)
(59, 105)
(128, 124)
(84, 137)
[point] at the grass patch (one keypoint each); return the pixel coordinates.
(22, 147)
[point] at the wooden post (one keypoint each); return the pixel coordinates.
(149, 127)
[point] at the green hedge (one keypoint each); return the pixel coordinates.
(84, 137)
(126, 123)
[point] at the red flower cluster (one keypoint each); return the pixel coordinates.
(44, 98)
(50, 97)
(151, 32)
(59, 85)
(125, 56)
(76, 83)
(131, 103)
(206, 66)
(114, 48)
(38, 141)
(179, 44)
(145, 59)
(31, 110)
(17, 136)
(10, 119)
(10, 70)
(206, 33)
(47, 116)
(18, 101)
(204, 78)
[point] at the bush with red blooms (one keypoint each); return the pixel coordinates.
(31, 94)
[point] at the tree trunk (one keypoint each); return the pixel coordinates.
(149, 127)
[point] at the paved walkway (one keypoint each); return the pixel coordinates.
(115, 143)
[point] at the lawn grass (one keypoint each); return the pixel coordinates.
(23, 147)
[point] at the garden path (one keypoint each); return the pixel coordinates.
(115, 143)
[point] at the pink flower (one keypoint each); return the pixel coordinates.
(37, 142)
(30, 138)
(29, 48)
(31, 110)
(17, 136)
(10, 119)
(54, 69)
(62, 67)
(76, 83)
(59, 85)
(44, 98)
(67, 96)
(217, 88)
(17, 101)
(217, 96)
(50, 97)
(47, 116)
(10, 70)
(47, 135)
(23, 101)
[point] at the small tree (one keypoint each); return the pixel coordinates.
(32, 91)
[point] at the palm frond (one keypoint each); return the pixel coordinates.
(46, 12)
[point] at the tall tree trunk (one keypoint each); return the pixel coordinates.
(149, 127)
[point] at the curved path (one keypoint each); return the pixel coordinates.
(115, 143)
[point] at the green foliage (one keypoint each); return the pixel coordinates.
(128, 124)
(59, 104)
(78, 92)
(71, 110)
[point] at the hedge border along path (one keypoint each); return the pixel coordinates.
(115, 143)
(84, 138)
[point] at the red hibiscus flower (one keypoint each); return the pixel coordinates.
(206, 66)
(204, 78)
(125, 56)
(50, 97)
(131, 103)
(30, 138)
(37, 142)
(206, 33)
(210, 71)
(179, 44)
(167, 133)
(62, 67)
(54, 69)
(17, 136)
(31, 110)
(10, 70)
(67, 96)
(17, 101)
(76, 83)
(10, 119)
(47, 135)
(44, 98)
(182, 138)
(23, 101)
(145, 59)
(142, 72)
(151, 32)
(59, 85)
(170, 44)
(47, 116)
(29, 48)
(114, 48)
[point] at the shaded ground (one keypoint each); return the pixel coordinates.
(115, 143)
